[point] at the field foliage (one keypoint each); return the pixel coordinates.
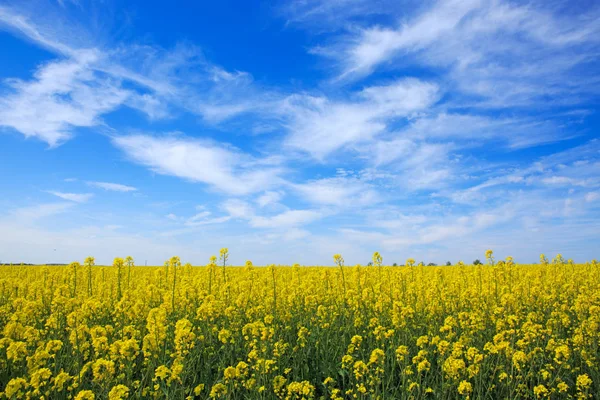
(500, 330)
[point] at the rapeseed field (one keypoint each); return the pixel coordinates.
(496, 331)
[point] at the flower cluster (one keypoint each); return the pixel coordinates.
(495, 330)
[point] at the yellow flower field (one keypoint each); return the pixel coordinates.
(494, 331)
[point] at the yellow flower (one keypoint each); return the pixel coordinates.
(562, 387)
(377, 259)
(453, 367)
(279, 385)
(562, 354)
(377, 357)
(16, 388)
(199, 389)
(241, 369)
(465, 388)
(338, 260)
(162, 372)
(519, 359)
(53, 346)
(60, 380)
(422, 341)
(118, 392)
(184, 337)
(40, 378)
(229, 373)
(300, 390)
(401, 353)
(218, 390)
(583, 382)
(540, 391)
(85, 395)
(360, 369)
(16, 351)
(347, 360)
(224, 335)
(103, 370)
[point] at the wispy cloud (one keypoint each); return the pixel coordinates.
(290, 218)
(114, 187)
(33, 213)
(90, 79)
(576, 168)
(332, 15)
(269, 198)
(503, 53)
(62, 96)
(223, 168)
(75, 197)
(320, 126)
(345, 192)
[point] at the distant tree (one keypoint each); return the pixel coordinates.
(448, 263)
(431, 264)
(477, 262)
(394, 265)
(370, 264)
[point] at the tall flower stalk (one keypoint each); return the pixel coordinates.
(89, 263)
(118, 263)
(130, 263)
(175, 263)
(339, 261)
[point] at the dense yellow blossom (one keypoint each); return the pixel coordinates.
(500, 330)
(118, 392)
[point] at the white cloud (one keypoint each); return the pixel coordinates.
(269, 198)
(339, 191)
(290, 218)
(320, 126)
(238, 208)
(514, 220)
(465, 128)
(39, 211)
(115, 187)
(331, 15)
(225, 169)
(13, 21)
(376, 45)
(562, 180)
(75, 197)
(592, 196)
(573, 169)
(205, 218)
(286, 219)
(89, 79)
(499, 53)
(62, 96)
(412, 164)
(577, 166)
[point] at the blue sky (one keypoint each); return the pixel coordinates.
(290, 131)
